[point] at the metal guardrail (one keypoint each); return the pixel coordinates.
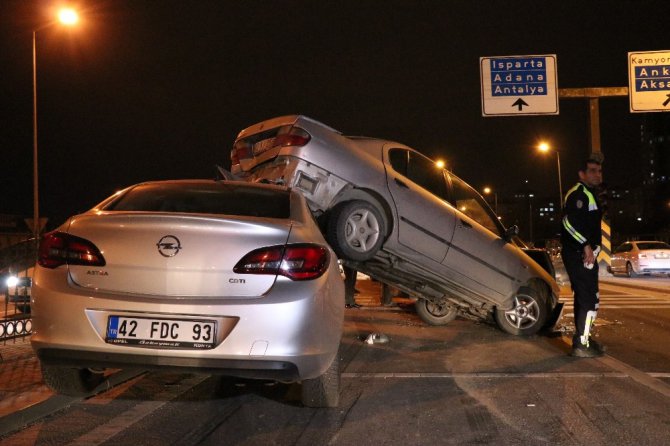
(16, 263)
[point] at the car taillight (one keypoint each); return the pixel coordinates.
(241, 150)
(59, 248)
(297, 262)
(295, 137)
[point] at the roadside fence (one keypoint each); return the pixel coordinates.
(16, 267)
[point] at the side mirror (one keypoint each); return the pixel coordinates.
(511, 232)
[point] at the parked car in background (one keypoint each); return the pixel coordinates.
(194, 275)
(641, 257)
(394, 214)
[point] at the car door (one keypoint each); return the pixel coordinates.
(419, 191)
(618, 261)
(487, 263)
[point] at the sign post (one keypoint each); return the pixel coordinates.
(649, 81)
(519, 85)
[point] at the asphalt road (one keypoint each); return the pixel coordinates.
(464, 383)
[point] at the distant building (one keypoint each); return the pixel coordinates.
(643, 211)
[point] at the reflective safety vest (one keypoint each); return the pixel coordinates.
(569, 226)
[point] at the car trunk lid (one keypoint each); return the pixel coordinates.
(180, 256)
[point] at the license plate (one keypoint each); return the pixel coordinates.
(263, 146)
(161, 333)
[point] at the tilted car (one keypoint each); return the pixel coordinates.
(391, 212)
(195, 275)
(641, 258)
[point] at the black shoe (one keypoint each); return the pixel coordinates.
(597, 346)
(580, 350)
(352, 306)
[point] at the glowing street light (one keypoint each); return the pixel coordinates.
(440, 164)
(544, 147)
(67, 17)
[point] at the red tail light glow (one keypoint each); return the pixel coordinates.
(59, 248)
(296, 137)
(297, 262)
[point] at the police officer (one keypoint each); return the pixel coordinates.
(581, 238)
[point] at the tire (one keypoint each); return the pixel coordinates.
(630, 272)
(356, 230)
(435, 313)
(527, 316)
(71, 382)
(324, 390)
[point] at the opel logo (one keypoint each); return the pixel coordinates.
(169, 246)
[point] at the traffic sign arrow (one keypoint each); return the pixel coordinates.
(667, 101)
(520, 103)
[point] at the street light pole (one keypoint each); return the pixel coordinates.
(36, 201)
(487, 191)
(560, 184)
(67, 17)
(544, 147)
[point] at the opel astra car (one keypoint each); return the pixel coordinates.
(392, 213)
(195, 275)
(641, 257)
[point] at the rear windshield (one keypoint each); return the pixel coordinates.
(205, 198)
(653, 245)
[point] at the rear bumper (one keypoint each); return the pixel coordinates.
(244, 368)
(293, 331)
(645, 270)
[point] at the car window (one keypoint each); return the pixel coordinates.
(204, 198)
(626, 247)
(653, 245)
(468, 201)
(420, 170)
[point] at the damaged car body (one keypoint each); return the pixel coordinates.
(394, 214)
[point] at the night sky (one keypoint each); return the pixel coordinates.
(158, 89)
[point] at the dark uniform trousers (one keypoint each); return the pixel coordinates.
(584, 284)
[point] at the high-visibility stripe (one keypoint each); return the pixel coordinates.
(593, 205)
(572, 189)
(573, 232)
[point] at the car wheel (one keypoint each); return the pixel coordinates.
(324, 390)
(356, 230)
(435, 313)
(630, 272)
(72, 382)
(527, 316)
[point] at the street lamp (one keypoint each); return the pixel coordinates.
(67, 17)
(544, 147)
(487, 191)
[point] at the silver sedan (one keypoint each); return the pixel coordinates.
(395, 214)
(635, 258)
(195, 275)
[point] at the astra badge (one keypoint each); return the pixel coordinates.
(169, 246)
